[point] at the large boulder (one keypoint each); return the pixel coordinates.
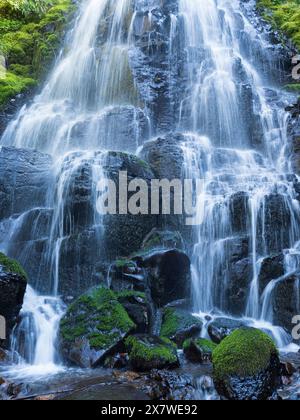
(178, 325)
(13, 282)
(163, 273)
(246, 366)
(148, 352)
(93, 328)
(220, 328)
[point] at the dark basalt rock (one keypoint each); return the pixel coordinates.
(239, 212)
(179, 325)
(294, 135)
(147, 352)
(247, 366)
(94, 328)
(138, 309)
(271, 269)
(221, 328)
(286, 298)
(199, 350)
(13, 282)
(169, 386)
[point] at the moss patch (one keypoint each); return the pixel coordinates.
(98, 317)
(246, 352)
(12, 266)
(175, 320)
(151, 352)
(206, 346)
(29, 40)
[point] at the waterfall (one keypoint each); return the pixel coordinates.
(74, 119)
(243, 159)
(235, 139)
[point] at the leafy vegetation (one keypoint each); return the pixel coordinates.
(30, 35)
(283, 15)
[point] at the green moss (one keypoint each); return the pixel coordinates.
(98, 317)
(293, 87)
(175, 320)
(283, 15)
(206, 346)
(246, 352)
(29, 43)
(12, 266)
(130, 293)
(162, 349)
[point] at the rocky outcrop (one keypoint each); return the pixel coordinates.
(221, 328)
(199, 350)
(148, 352)
(178, 325)
(246, 366)
(24, 177)
(13, 282)
(94, 328)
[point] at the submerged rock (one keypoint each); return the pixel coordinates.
(221, 328)
(199, 350)
(246, 366)
(147, 352)
(13, 282)
(94, 327)
(179, 325)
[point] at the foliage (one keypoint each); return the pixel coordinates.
(283, 15)
(30, 35)
(246, 352)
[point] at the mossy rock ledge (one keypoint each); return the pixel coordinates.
(246, 366)
(199, 350)
(94, 328)
(13, 282)
(147, 352)
(178, 325)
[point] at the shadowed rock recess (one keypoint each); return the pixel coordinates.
(173, 89)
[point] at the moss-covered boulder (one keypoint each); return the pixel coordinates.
(178, 325)
(199, 350)
(246, 366)
(93, 328)
(13, 282)
(148, 352)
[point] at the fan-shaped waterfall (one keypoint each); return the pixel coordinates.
(235, 139)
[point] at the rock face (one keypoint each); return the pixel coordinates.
(179, 325)
(286, 298)
(221, 328)
(199, 350)
(247, 366)
(93, 328)
(138, 309)
(148, 352)
(24, 177)
(294, 135)
(13, 282)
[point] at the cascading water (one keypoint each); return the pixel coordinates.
(74, 119)
(235, 140)
(239, 148)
